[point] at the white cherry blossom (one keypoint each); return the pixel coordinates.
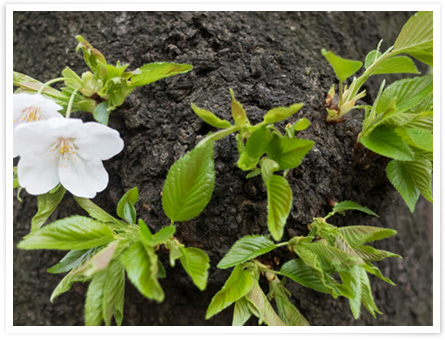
(32, 107)
(66, 151)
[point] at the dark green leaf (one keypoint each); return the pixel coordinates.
(125, 207)
(343, 68)
(46, 203)
(238, 285)
(210, 118)
(72, 233)
(245, 249)
(278, 114)
(196, 263)
(279, 204)
(257, 142)
(288, 152)
(401, 175)
(385, 141)
(189, 184)
(141, 264)
(150, 73)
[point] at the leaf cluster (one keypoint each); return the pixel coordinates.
(104, 87)
(324, 255)
(102, 249)
(399, 124)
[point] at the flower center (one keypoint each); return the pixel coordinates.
(64, 150)
(31, 114)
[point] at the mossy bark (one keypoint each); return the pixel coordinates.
(270, 59)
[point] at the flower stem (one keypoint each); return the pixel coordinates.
(70, 103)
(49, 83)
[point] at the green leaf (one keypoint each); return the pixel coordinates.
(15, 178)
(279, 204)
(288, 152)
(163, 235)
(210, 118)
(368, 253)
(93, 58)
(371, 57)
(101, 113)
(419, 138)
(241, 312)
(370, 268)
(416, 35)
(66, 283)
(196, 263)
(358, 235)
(399, 64)
(125, 207)
(72, 233)
(286, 310)
(189, 184)
(238, 112)
(422, 120)
(238, 285)
(401, 175)
(30, 84)
(260, 306)
(385, 141)
(72, 259)
(161, 271)
(95, 211)
(257, 142)
(46, 203)
(357, 280)
(311, 277)
(105, 296)
(268, 167)
(349, 205)
(405, 94)
(301, 124)
(245, 249)
(141, 264)
(150, 73)
(71, 78)
(343, 68)
(278, 114)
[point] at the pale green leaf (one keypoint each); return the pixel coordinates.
(241, 312)
(349, 205)
(286, 310)
(279, 204)
(189, 184)
(416, 35)
(30, 84)
(66, 283)
(278, 114)
(73, 259)
(401, 175)
(400, 64)
(368, 253)
(358, 235)
(260, 306)
(71, 78)
(238, 112)
(150, 73)
(72, 233)
(301, 124)
(163, 235)
(196, 263)
(93, 58)
(288, 152)
(46, 203)
(421, 139)
(268, 167)
(371, 57)
(95, 211)
(422, 120)
(15, 178)
(245, 249)
(238, 285)
(385, 141)
(101, 113)
(343, 68)
(210, 118)
(141, 264)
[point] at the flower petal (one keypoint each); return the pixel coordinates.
(83, 177)
(99, 141)
(47, 108)
(33, 139)
(37, 175)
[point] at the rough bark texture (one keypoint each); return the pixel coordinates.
(269, 59)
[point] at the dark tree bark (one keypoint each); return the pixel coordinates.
(270, 59)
